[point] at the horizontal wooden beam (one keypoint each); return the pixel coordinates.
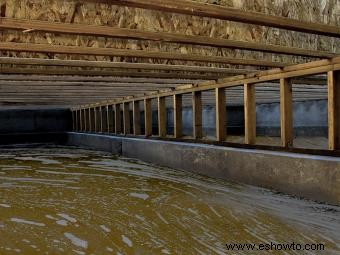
(106, 31)
(47, 48)
(312, 68)
(54, 71)
(118, 65)
(226, 13)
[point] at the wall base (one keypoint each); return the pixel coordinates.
(313, 177)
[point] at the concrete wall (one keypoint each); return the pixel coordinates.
(15, 121)
(313, 177)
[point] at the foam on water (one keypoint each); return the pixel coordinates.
(73, 201)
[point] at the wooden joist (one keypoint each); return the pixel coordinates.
(161, 117)
(106, 31)
(177, 102)
(136, 118)
(197, 114)
(118, 119)
(77, 50)
(226, 13)
(118, 65)
(62, 71)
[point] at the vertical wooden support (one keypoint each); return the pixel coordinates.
(118, 120)
(177, 116)
(73, 121)
(136, 118)
(84, 120)
(77, 121)
(95, 126)
(221, 114)
(148, 117)
(286, 113)
(90, 120)
(126, 118)
(101, 119)
(249, 113)
(110, 128)
(197, 114)
(334, 110)
(161, 117)
(81, 120)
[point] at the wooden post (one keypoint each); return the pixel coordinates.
(73, 121)
(334, 110)
(90, 120)
(136, 118)
(126, 118)
(221, 114)
(118, 119)
(110, 126)
(81, 120)
(177, 116)
(250, 113)
(286, 113)
(148, 117)
(161, 117)
(197, 114)
(95, 119)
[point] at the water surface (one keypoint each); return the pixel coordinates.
(73, 201)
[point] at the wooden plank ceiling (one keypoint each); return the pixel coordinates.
(67, 60)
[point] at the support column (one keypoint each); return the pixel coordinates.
(73, 121)
(334, 110)
(177, 116)
(161, 117)
(118, 120)
(81, 120)
(101, 113)
(90, 119)
(148, 117)
(126, 118)
(197, 114)
(85, 120)
(136, 118)
(110, 117)
(250, 113)
(286, 113)
(221, 114)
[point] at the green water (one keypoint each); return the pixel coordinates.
(73, 201)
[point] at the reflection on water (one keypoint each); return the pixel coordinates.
(72, 201)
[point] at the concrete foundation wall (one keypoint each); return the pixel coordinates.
(313, 177)
(16, 121)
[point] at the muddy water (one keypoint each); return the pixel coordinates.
(71, 201)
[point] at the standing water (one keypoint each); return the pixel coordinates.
(73, 201)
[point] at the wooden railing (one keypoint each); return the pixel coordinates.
(105, 117)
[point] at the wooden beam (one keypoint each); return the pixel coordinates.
(77, 121)
(110, 116)
(118, 119)
(118, 65)
(126, 118)
(148, 117)
(286, 113)
(177, 115)
(85, 121)
(221, 114)
(334, 110)
(311, 68)
(77, 50)
(249, 114)
(227, 13)
(91, 119)
(161, 117)
(125, 33)
(197, 114)
(64, 71)
(136, 118)
(73, 120)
